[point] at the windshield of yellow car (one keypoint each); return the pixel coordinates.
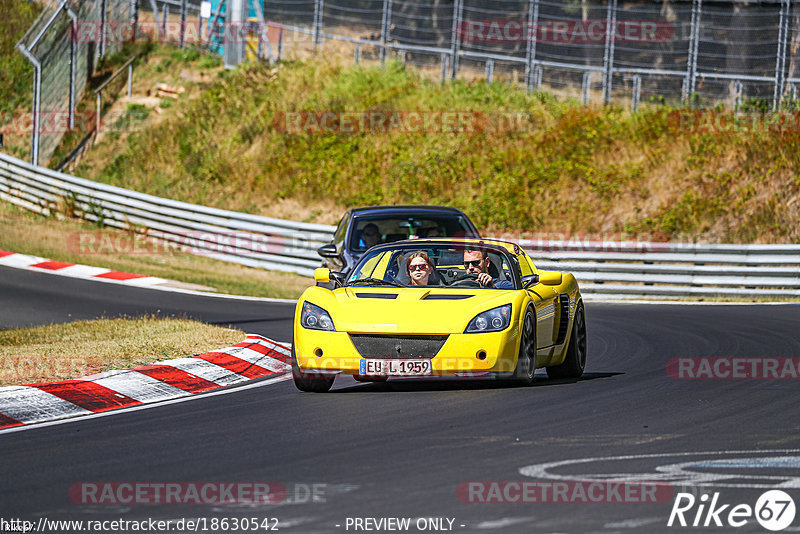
(439, 265)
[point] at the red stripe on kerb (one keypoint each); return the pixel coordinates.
(177, 377)
(237, 365)
(8, 422)
(52, 265)
(88, 395)
(4, 253)
(119, 275)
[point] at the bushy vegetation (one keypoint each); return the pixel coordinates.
(562, 168)
(16, 74)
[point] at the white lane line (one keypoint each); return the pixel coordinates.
(261, 383)
(137, 386)
(206, 370)
(29, 405)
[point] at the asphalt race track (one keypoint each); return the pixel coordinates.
(408, 449)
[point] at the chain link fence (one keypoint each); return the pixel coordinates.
(744, 55)
(736, 53)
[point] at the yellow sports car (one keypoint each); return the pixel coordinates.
(439, 307)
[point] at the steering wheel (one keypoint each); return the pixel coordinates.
(465, 279)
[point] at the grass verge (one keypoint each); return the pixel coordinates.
(72, 350)
(27, 233)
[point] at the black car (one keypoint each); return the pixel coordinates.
(362, 228)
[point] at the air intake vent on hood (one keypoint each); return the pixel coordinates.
(444, 296)
(377, 295)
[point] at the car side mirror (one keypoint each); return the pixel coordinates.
(328, 251)
(550, 278)
(530, 280)
(324, 275)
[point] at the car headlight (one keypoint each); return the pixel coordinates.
(316, 318)
(493, 320)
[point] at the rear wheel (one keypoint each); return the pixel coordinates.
(575, 360)
(526, 360)
(311, 382)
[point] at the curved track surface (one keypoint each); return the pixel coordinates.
(403, 449)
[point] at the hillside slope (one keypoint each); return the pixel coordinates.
(550, 167)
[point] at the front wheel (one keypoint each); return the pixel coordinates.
(310, 382)
(526, 360)
(575, 361)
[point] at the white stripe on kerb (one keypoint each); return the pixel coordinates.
(30, 405)
(256, 358)
(137, 386)
(205, 370)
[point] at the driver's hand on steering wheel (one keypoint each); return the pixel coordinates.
(484, 279)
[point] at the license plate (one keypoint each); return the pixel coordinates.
(395, 367)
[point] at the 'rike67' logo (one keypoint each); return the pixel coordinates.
(774, 510)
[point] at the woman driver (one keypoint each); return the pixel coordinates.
(419, 268)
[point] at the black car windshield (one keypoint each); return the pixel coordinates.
(370, 231)
(429, 263)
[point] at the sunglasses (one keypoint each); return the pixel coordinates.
(474, 263)
(418, 267)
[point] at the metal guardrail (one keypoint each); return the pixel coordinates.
(608, 269)
(242, 238)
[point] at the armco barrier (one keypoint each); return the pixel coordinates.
(611, 269)
(242, 238)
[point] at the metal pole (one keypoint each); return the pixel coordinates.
(445, 59)
(455, 38)
(537, 77)
(586, 87)
(103, 16)
(357, 54)
(130, 79)
(134, 12)
(73, 61)
(37, 101)
(280, 44)
(154, 7)
(608, 55)
(319, 5)
(164, 15)
(780, 63)
(183, 23)
(97, 127)
(637, 90)
(386, 17)
(695, 46)
(532, 35)
(489, 70)
(738, 88)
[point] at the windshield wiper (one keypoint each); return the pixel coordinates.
(379, 281)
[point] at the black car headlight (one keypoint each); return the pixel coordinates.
(316, 318)
(493, 320)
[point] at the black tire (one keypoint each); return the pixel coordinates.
(575, 361)
(526, 360)
(310, 382)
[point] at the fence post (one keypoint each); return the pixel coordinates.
(134, 13)
(586, 87)
(357, 54)
(97, 118)
(73, 61)
(386, 21)
(445, 59)
(697, 13)
(531, 34)
(103, 9)
(780, 64)
(608, 54)
(455, 38)
(319, 5)
(280, 43)
(537, 77)
(130, 79)
(489, 70)
(738, 88)
(37, 101)
(637, 90)
(183, 23)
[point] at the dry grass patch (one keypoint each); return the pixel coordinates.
(63, 351)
